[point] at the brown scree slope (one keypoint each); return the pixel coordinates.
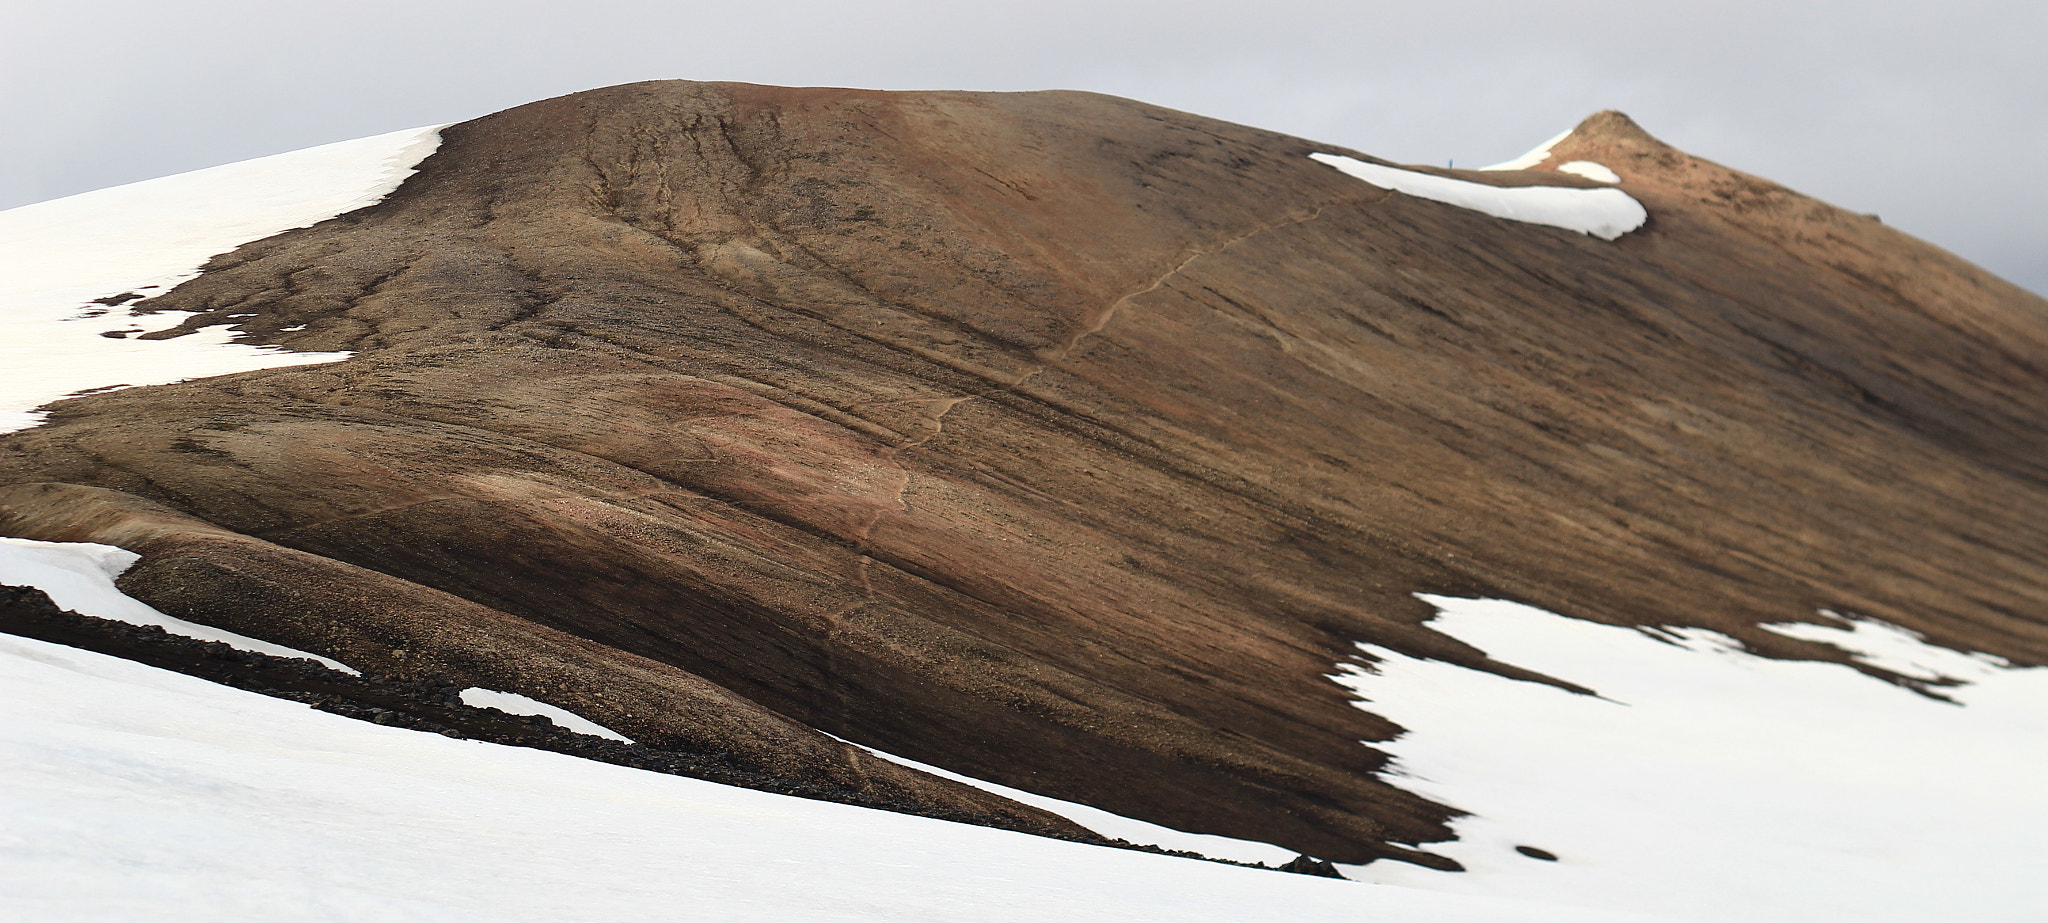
(1052, 438)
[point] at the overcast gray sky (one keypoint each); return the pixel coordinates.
(1934, 116)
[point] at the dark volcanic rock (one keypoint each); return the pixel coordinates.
(1053, 438)
(1320, 868)
(434, 704)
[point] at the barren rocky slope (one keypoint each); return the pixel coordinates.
(1052, 438)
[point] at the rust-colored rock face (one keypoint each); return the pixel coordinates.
(1056, 439)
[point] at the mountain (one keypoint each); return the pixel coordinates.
(1060, 441)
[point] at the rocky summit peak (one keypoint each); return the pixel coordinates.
(1612, 126)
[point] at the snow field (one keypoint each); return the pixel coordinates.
(1702, 784)
(133, 793)
(1901, 651)
(1709, 784)
(1603, 213)
(56, 257)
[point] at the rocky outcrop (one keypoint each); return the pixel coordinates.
(1055, 439)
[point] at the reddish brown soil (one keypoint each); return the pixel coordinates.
(1054, 438)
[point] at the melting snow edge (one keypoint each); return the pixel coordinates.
(1603, 213)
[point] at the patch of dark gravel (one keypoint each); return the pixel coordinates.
(434, 705)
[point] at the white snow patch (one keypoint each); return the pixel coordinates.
(1709, 784)
(1115, 826)
(1590, 170)
(1603, 213)
(513, 703)
(1900, 650)
(56, 257)
(1534, 157)
(138, 794)
(79, 576)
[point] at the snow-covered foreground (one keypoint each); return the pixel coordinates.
(57, 257)
(1709, 784)
(136, 794)
(132, 793)
(1603, 213)
(1703, 784)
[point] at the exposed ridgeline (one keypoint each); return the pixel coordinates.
(1055, 439)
